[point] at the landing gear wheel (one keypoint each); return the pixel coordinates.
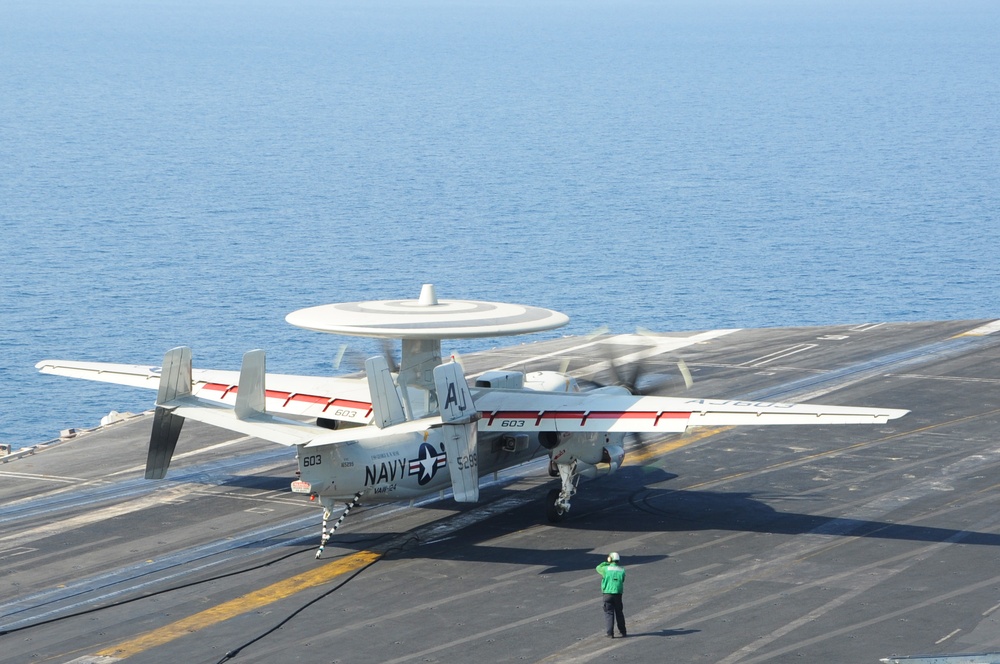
(553, 511)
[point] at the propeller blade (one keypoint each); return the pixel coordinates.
(340, 357)
(390, 356)
(685, 373)
(593, 334)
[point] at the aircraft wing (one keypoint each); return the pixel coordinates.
(515, 411)
(345, 399)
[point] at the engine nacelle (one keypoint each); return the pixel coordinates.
(550, 381)
(611, 389)
(611, 460)
(510, 380)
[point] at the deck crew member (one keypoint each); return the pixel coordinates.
(612, 585)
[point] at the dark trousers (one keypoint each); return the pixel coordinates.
(613, 613)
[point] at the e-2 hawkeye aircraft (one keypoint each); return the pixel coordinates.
(404, 432)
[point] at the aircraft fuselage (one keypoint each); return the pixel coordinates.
(410, 465)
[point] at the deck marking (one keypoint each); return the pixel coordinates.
(489, 632)
(840, 450)
(864, 327)
(94, 516)
(661, 345)
(982, 330)
(819, 611)
(35, 476)
(240, 605)
(234, 441)
(956, 379)
(948, 636)
(777, 355)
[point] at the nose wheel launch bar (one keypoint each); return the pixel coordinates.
(327, 513)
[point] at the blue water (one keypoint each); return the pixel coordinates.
(187, 172)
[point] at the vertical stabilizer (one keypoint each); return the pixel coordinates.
(175, 382)
(251, 393)
(386, 405)
(459, 431)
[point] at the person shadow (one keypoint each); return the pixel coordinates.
(663, 632)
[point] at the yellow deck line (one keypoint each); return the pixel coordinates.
(240, 605)
(312, 578)
(642, 455)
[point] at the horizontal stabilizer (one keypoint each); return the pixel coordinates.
(264, 426)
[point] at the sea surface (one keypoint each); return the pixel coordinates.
(186, 172)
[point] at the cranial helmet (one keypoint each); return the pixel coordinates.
(613, 557)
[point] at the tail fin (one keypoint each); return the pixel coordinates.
(175, 382)
(459, 431)
(386, 404)
(251, 393)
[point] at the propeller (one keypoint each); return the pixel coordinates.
(564, 365)
(390, 356)
(638, 379)
(340, 357)
(682, 366)
(353, 360)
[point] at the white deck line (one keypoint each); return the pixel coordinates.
(983, 330)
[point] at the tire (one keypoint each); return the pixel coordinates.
(553, 513)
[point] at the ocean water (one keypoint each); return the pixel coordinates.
(187, 172)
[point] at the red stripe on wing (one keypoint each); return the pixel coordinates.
(583, 416)
(291, 397)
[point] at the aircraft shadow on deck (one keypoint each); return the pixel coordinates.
(644, 509)
(629, 502)
(259, 482)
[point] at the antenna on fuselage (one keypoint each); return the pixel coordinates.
(428, 298)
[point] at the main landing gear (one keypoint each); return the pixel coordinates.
(557, 500)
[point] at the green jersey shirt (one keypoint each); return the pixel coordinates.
(612, 578)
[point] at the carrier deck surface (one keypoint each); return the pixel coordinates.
(779, 544)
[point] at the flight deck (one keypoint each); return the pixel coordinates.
(839, 543)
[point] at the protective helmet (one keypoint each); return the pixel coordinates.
(613, 557)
